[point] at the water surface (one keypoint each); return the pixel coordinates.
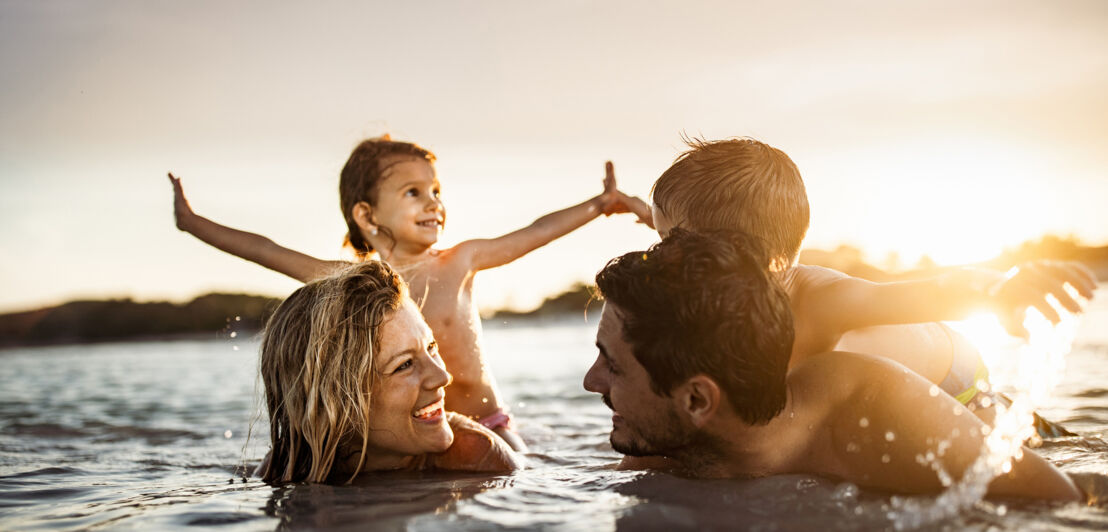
(153, 436)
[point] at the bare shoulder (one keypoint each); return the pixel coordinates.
(841, 375)
(458, 257)
(476, 448)
(804, 276)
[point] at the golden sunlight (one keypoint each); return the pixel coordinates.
(955, 200)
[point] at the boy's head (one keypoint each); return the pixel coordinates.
(736, 185)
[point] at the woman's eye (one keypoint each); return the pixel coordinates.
(412, 192)
(407, 364)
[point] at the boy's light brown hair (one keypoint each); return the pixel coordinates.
(737, 184)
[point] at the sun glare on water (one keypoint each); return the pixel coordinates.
(1027, 372)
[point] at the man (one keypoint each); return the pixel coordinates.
(694, 347)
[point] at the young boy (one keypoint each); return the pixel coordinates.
(746, 185)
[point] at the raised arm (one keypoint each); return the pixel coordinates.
(490, 253)
(844, 303)
(892, 433)
(250, 246)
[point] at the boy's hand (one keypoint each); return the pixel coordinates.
(182, 213)
(1029, 284)
(638, 207)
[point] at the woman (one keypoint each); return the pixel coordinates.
(354, 383)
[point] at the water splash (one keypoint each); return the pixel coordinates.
(1030, 371)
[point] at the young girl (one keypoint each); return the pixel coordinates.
(390, 199)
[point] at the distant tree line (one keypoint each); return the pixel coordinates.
(117, 319)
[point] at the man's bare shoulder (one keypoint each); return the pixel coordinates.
(841, 374)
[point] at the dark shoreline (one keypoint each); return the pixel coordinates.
(217, 315)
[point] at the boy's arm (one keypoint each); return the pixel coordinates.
(636, 206)
(253, 247)
(885, 433)
(490, 253)
(844, 303)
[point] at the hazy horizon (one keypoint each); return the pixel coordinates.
(935, 128)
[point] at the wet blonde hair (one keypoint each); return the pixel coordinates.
(318, 372)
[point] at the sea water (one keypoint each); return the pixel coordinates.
(153, 435)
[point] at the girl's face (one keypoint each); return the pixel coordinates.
(407, 414)
(408, 203)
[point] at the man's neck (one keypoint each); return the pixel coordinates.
(737, 449)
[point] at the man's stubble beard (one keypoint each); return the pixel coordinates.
(667, 436)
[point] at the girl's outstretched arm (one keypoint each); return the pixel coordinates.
(252, 247)
(490, 253)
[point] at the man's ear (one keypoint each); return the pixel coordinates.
(363, 216)
(699, 397)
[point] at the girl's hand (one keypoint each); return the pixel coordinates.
(610, 199)
(182, 213)
(613, 201)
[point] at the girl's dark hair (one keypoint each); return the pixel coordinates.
(361, 175)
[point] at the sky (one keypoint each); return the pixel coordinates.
(950, 129)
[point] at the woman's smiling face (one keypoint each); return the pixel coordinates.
(407, 414)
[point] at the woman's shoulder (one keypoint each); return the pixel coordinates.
(475, 448)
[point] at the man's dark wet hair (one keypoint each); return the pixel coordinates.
(705, 304)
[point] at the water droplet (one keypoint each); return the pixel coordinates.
(958, 410)
(986, 402)
(238, 318)
(845, 491)
(484, 399)
(955, 433)
(885, 459)
(1001, 510)
(863, 423)
(934, 391)
(792, 415)
(236, 348)
(234, 334)
(522, 404)
(889, 436)
(982, 385)
(852, 447)
(227, 434)
(858, 510)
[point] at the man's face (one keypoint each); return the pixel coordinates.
(643, 422)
